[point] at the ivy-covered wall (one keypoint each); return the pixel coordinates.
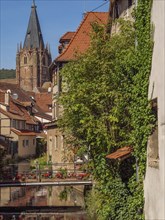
(106, 107)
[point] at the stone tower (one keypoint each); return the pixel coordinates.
(33, 58)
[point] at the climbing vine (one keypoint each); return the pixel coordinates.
(105, 107)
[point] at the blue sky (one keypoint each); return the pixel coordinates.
(56, 17)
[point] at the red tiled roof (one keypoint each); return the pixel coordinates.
(44, 116)
(81, 40)
(44, 101)
(13, 108)
(121, 153)
(14, 88)
(2, 96)
(19, 108)
(11, 115)
(23, 132)
(67, 36)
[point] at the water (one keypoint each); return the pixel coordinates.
(56, 202)
(50, 202)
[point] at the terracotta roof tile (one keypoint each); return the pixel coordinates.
(11, 115)
(2, 96)
(67, 36)
(14, 88)
(121, 153)
(44, 101)
(17, 108)
(23, 132)
(81, 40)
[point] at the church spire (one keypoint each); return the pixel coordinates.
(33, 5)
(33, 38)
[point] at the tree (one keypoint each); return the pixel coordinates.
(95, 96)
(105, 107)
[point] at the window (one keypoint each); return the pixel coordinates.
(153, 147)
(43, 60)
(27, 142)
(62, 142)
(24, 143)
(55, 142)
(25, 60)
(21, 125)
(14, 123)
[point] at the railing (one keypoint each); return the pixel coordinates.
(44, 173)
(48, 183)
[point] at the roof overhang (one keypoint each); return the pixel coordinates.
(120, 154)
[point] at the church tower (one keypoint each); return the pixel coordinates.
(33, 58)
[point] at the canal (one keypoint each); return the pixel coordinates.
(42, 202)
(53, 202)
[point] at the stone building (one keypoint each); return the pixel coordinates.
(33, 58)
(154, 179)
(154, 184)
(71, 44)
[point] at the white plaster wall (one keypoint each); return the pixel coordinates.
(154, 184)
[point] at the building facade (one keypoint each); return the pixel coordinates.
(154, 184)
(71, 44)
(33, 58)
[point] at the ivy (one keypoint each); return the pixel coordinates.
(105, 107)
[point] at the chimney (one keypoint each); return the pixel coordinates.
(7, 98)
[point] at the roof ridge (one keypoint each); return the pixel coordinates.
(67, 33)
(77, 30)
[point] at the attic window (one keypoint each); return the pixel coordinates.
(153, 147)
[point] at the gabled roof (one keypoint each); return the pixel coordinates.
(11, 115)
(67, 36)
(44, 101)
(33, 38)
(19, 107)
(81, 40)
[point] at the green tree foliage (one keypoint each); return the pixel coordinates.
(7, 74)
(92, 102)
(105, 107)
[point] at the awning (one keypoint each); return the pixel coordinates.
(121, 153)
